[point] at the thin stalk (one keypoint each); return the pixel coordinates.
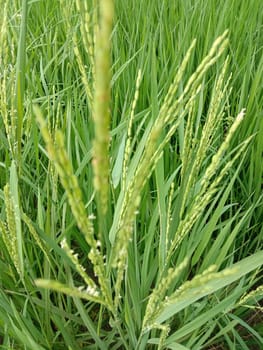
(20, 78)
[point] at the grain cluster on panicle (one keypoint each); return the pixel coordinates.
(58, 155)
(101, 105)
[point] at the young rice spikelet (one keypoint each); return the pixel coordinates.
(101, 110)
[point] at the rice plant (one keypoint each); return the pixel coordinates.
(131, 188)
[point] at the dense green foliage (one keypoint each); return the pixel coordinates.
(166, 220)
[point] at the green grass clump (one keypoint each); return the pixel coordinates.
(131, 184)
